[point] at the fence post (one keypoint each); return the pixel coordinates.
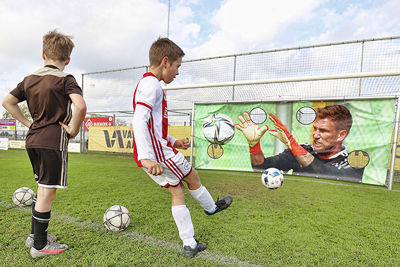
(234, 77)
(361, 67)
(192, 135)
(82, 134)
(394, 146)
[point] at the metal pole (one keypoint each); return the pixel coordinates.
(395, 136)
(82, 135)
(287, 79)
(15, 129)
(361, 67)
(169, 8)
(192, 135)
(234, 78)
(284, 112)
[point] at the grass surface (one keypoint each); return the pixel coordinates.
(306, 222)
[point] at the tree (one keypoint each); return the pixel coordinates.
(24, 108)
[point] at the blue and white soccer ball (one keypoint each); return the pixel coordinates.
(272, 178)
(218, 129)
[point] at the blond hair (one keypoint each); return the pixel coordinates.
(57, 46)
(164, 47)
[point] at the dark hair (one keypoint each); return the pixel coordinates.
(164, 47)
(337, 113)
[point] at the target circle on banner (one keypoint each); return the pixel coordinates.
(258, 115)
(215, 151)
(358, 159)
(306, 115)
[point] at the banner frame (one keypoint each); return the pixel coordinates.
(394, 145)
(396, 121)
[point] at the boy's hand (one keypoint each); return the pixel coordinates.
(72, 132)
(251, 131)
(182, 143)
(152, 167)
(285, 137)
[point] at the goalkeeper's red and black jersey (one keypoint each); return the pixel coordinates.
(46, 92)
(336, 167)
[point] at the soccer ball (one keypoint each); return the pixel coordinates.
(272, 178)
(218, 128)
(23, 197)
(116, 218)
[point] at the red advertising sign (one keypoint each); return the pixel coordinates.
(98, 121)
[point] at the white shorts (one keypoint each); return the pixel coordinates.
(174, 170)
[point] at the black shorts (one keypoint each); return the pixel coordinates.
(49, 167)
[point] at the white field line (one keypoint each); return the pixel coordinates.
(138, 237)
(13, 158)
(366, 186)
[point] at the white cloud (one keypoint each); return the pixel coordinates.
(182, 30)
(107, 34)
(117, 34)
(359, 22)
(252, 25)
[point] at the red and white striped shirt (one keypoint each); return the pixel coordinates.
(150, 122)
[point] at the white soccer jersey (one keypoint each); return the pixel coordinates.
(150, 122)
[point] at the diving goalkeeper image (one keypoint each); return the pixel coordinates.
(326, 157)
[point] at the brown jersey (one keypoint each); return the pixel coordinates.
(47, 93)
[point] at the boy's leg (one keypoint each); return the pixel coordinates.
(183, 221)
(201, 194)
(33, 208)
(41, 215)
(181, 215)
(50, 168)
(41, 218)
(29, 239)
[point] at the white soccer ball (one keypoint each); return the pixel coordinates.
(272, 178)
(116, 218)
(218, 128)
(23, 197)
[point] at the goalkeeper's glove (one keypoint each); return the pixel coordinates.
(283, 134)
(251, 132)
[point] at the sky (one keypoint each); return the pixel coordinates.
(117, 34)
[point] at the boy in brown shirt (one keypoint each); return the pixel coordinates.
(49, 93)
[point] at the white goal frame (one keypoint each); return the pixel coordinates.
(389, 184)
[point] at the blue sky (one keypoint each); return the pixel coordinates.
(117, 34)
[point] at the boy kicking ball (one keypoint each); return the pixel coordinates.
(155, 151)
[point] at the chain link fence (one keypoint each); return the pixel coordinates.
(361, 68)
(110, 92)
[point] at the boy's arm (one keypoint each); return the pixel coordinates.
(152, 167)
(77, 117)
(140, 131)
(10, 103)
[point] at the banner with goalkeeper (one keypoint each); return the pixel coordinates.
(347, 141)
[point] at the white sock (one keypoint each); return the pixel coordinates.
(183, 221)
(204, 198)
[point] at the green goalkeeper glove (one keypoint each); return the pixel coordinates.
(251, 131)
(285, 137)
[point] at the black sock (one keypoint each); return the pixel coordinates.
(41, 224)
(33, 224)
